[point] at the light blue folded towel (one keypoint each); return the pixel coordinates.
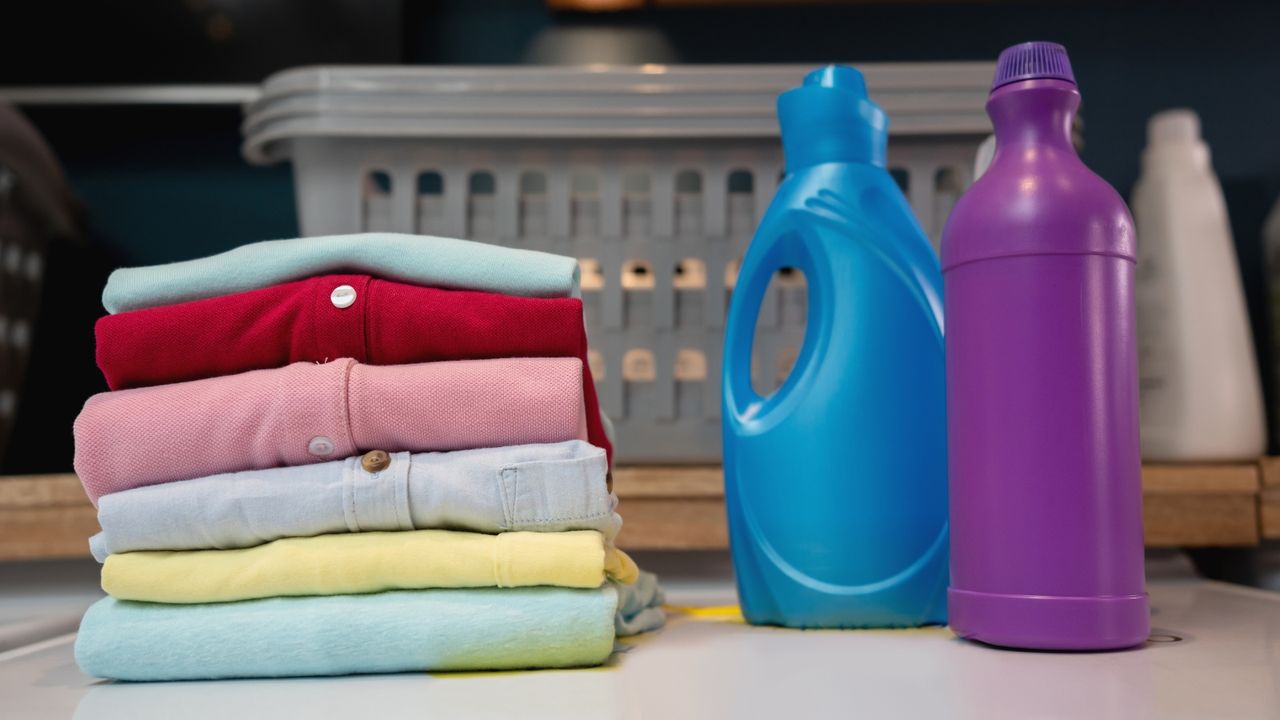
(400, 631)
(415, 259)
(640, 606)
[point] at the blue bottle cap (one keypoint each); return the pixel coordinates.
(830, 119)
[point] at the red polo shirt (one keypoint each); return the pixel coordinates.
(374, 321)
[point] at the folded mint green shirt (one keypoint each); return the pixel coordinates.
(414, 259)
(397, 631)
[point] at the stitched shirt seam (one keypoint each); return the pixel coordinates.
(365, 314)
(355, 505)
(313, 319)
(349, 498)
(505, 496)
(404, 517)
(346, 402)
(570, 518)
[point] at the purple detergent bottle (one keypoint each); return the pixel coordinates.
(1042, 385)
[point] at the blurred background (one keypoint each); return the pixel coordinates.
(158, 178)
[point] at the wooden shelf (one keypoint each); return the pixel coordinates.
(1201, 505)
(1269, 499)
(44, 516)
(682, 508)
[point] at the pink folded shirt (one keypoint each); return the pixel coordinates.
(307, 413)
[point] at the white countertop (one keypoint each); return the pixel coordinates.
(42, 599)
(1220, 658)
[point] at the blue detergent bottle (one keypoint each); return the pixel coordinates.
(836, 484)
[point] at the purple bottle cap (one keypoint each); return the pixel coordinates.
(1032, 60)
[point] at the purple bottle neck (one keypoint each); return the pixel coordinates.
(1038, 197)
(1034, 112)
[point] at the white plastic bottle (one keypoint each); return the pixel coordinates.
(1271, 249)
(1200, 395)
(982, 160)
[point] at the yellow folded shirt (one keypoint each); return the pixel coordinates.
(369, 562)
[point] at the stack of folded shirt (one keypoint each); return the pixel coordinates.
(300, 472)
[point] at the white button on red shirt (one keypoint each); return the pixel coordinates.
(343, 296)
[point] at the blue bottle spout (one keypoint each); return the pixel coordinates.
(829, 118)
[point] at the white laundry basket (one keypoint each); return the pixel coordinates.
(653, 176)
